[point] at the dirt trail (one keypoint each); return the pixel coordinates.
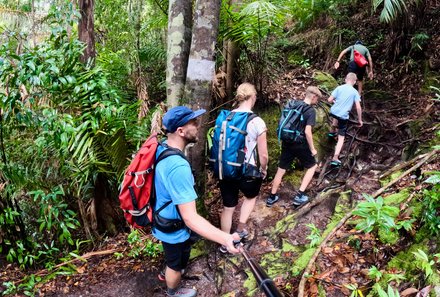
(379, 142)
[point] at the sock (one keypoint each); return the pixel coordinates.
(241, 226)
(273, 195)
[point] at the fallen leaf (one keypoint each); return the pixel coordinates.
(327, 250)
(325, 274)
(350, 258)
(424, 292)
(344, 270)
(313, 289)
(408, 292)
(81, 269)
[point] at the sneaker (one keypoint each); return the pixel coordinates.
(335, 163)
(332, 134)
(300, 199)
(183, 292)
(271, 200)
(222, 249)
(243, 234)
(161, 275)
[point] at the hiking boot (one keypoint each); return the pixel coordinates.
(271, 200)
(299, 200)
(222, 249)
(243, 234)
(161, 275)
(183, 292)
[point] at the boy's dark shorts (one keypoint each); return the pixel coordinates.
(342, 125)
(360, 71)
(290, 151)
(230, 188)
(177, 254)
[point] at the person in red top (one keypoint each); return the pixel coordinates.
(353, 67)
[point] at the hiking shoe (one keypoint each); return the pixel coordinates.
(335, 163)
(332, 134)
(183, 292)
(271, 200)
(299, 200)
(222, 249)
(161, 275)
(243, 234)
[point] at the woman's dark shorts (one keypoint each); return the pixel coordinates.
(290, 151)
(342, 125)
(230, 188)
(360, 71)
(177, 254)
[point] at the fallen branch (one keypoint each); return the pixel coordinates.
(344, 219)
(309, 266)
(79, 258)
(427, 157)
(401, 166)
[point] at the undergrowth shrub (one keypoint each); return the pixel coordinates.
(62, 128)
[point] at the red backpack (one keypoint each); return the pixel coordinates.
(137, 195)
(359, 59)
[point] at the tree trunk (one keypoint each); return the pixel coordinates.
(200, 74)
(231, 68)
(141, 78)
(233, 53)
(178, 47)
(86, 32)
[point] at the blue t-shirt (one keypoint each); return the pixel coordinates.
(345, 97)
(174, 181)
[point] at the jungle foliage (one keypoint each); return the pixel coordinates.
(66, 126)
(62, 126)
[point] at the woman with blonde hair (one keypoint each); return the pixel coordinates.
(250, 187)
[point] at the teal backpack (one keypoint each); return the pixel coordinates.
(228, 141)
(291, 126)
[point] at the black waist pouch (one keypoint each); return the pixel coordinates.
(167, 225)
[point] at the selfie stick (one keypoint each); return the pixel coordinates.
(265, 283)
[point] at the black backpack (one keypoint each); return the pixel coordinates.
(291, 126)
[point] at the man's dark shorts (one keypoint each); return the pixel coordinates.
(342, 125)
(360, 71)
(230, 188)
(177, 254)
(290, 151)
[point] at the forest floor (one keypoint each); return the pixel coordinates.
(371, 150)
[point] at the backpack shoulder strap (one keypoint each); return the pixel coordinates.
(251, 117)
(169, 151)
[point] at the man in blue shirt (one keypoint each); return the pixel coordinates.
(343, 98)
(174, 182)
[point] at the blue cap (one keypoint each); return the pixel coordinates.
(179, 116)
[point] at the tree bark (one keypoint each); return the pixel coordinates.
(200, 74)
(178, 48)
(233, 53)
(231, 68)
(86, 31)
(141, 78)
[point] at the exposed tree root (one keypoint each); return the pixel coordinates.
(427, 157)
(346, 217)
(401, 166)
